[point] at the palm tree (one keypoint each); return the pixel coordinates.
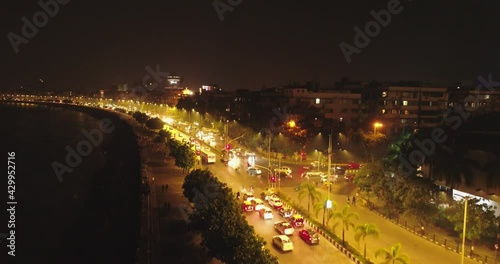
(363, 231)
(394, 255)
(347, 219)
(309, 190)
(327, 213)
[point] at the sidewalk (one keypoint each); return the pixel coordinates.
(418, 248)
(172, 241)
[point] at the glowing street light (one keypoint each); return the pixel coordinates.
(291, 123)
(375, 126)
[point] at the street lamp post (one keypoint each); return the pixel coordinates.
(269, 160)
(465, 226)
(279, 174)
(329, 164)
(496, 251)
(328, 203)
(268, 169)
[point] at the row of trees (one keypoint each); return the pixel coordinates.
(420, 199)
(217, 216)
(416, 194)
(185, 158)
(347, 219)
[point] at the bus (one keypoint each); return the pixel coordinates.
(208, 157)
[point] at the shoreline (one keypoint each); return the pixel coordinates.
(108, 229)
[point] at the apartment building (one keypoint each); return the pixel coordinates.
(482, 99)
(413, 107)
(341, 106)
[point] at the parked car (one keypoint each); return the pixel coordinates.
(284, 228)
(309, 236)
(283, 242)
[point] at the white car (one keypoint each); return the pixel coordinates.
(266, 213)
(284, 228)
(283, 242)
(248, 196)
(285, 212)
(258, 204)
(310, 174)
(333, 178)
(286, 170)
(275, 202)
(267, 194)
(252, 171)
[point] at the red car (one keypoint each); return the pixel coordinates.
(247, 206)
(309, 236)
(296, 220)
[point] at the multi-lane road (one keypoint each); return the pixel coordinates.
(302, 253)
(325, 252)
(414, 246)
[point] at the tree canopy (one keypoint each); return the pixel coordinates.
(217, 216)
(155, 123)
(183, 154)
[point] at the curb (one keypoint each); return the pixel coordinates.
(328, 238)
(425, 237)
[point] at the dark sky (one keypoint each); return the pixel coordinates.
(91, 44)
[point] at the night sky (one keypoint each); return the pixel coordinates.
(91, 44)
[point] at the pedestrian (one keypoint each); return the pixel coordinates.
(168, 206)
(164, 206)
(348, 200)
(166, 187)
(354, 200)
